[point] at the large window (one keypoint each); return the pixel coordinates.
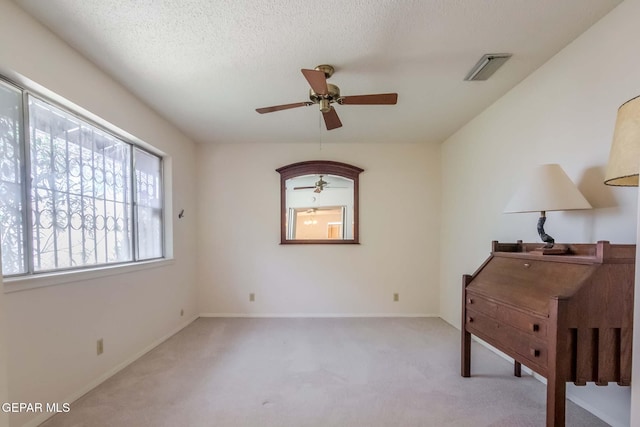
(91, 198)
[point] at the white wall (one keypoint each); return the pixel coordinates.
(52, 331)
(239, 252)
(635, 374)
(563, 113)
(4, 381)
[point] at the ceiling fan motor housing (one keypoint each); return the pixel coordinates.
(326, 69)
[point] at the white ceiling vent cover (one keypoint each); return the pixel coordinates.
(487, 65)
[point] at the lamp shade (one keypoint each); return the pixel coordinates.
(624, 159)
(548, 188)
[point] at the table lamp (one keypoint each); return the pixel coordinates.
(548, 188)
(624, 159)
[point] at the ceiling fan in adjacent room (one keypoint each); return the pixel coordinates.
(317, 187)
(325, 94)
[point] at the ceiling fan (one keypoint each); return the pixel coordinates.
(325, 94)
(318, 186)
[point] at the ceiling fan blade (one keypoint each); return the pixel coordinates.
(377, 99)
(317, 80)
(304, 188)
(331, 119)
(282, 107)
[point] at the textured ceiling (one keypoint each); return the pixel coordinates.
(206, 65)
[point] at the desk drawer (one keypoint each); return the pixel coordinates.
(524, 347)
(485, 327)
(533, 352)
(532, 325)
(481, 305)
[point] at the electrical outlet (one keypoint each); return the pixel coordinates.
(396, 297)
(252, 297)
(181, 312)
(100, 347)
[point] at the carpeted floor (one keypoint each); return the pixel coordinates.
(316, 372)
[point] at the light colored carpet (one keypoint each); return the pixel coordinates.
(316, 372)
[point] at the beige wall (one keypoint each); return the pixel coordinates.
(52, 331)
(563, 113)
(239, 251)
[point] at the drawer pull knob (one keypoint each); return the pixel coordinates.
(470, 319)
(527, 265)
(535, 327)
(469, 301)
(535, 353)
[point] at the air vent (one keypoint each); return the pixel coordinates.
(487, 65)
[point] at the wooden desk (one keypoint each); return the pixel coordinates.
(567, 317)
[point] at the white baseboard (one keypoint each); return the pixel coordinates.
(595, 411)
(94, 383)
(316, 315)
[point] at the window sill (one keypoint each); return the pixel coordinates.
(23, 283)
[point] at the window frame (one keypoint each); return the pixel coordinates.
(135, 232)
(31, 278)
(23, 174)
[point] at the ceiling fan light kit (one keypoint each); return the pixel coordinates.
(324, 94)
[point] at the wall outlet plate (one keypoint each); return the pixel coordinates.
(396, 297)
(252, 297)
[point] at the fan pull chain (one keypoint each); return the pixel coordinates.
(320, 129)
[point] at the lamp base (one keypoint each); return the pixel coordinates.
(544, 236)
